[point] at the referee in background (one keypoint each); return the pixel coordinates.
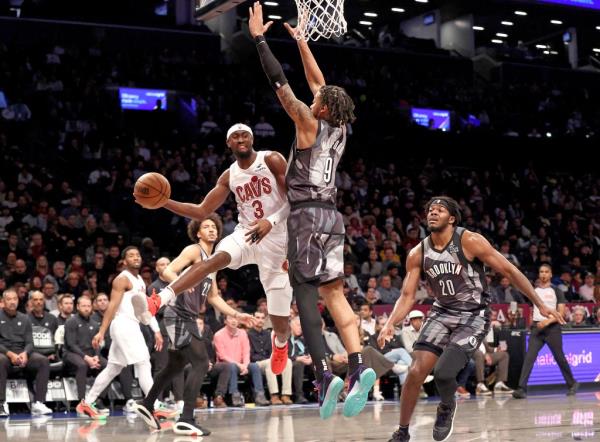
(546, 331)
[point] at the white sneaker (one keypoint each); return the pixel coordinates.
(502, 388)
(129, 406)
(40, 408)
(377, 396)
(428, 379)
(399, 368)
(482, 390)
(4, 412)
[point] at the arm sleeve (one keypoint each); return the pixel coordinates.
(71, 343)
(154, 325)
(270, 65)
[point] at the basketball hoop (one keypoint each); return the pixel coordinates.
(320, 18)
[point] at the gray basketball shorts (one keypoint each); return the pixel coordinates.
(443, 328)
(315, 245)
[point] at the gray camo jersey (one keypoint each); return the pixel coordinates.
(457, 284)
(311, 172)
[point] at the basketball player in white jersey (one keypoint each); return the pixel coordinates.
(257, 179)
(315, 227)
(128, 346)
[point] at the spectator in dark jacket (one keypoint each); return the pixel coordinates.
(16, 353)
(80, 356)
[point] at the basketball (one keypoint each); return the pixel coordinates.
(152, 190)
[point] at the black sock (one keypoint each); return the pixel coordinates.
(320, 368)
(307, 295)
(354, 360)
(403, 429)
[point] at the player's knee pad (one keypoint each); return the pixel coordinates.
(307, 296)
(452, 361)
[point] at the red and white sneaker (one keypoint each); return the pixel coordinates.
(90, 410)
(279, 357)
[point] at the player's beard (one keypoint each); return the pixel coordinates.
(436, 229)
(243, 155)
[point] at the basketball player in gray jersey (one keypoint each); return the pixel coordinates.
(451, 259)
(315, 227)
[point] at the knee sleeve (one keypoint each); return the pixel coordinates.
(143, 372)
(307, 297)
(452, 361)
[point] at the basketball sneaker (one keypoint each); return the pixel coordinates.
(90, 410)
(162, 411)
(279, 357)
(444, 422)
(360, 383)
(146, 414)
(189, 428)
(328, 391)
(40, 408)
(400, 435)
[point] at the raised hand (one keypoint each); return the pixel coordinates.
(256, 23)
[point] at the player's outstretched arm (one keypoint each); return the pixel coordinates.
(212, 201)
(407, 298)
(296, 109)
(476, 246)
(313, 73)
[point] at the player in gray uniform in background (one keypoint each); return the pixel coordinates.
(315, 227)
(451, 259)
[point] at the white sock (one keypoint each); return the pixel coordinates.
(278, 343)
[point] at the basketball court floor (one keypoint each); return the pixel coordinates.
(552, 417)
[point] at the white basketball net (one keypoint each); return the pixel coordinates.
(320, 18)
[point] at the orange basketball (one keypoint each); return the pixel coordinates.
(152, 190)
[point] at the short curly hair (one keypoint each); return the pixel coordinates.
(194, 226)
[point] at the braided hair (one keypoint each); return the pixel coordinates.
(339, 104)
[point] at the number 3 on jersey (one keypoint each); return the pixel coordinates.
(258, 209)
(327, 173)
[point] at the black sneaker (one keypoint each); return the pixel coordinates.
(520, 393)
(189, 428)
(444, 422)
(147, 414)
(573, 389)
(400, 435)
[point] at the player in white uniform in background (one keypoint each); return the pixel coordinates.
(128, 346)
(257, 179)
